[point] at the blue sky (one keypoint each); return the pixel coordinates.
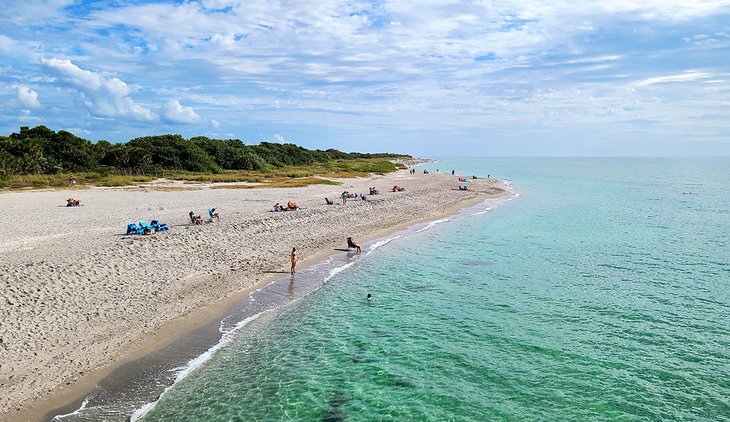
(429, 78)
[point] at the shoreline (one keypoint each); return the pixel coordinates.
(183, 326)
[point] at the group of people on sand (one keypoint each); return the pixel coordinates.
(397, 188)
(290, 206)
(71, 202)
(213, 214)
(347, 195)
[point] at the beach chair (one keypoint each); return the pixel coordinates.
(133, 229)
(159, 227)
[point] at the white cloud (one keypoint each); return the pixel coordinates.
(428, 65)
(24, 12)
(278, 139)
(6, 43)
(174, 112)
(28, 98)
(102, 96)
(681, 77)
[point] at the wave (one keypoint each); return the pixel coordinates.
(336, 270)
(383, 242)
(193, 364)
(432, 224)
(75, 412)
(486, 210)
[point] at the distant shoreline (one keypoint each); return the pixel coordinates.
(235, 257)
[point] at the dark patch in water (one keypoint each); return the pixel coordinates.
(335, 413)
(414, 288)
(359, 355)
(403, 383)
(379, 333)
(475, 263)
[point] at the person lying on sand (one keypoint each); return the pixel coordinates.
(352, 244)
(70, 202)
(292, 206)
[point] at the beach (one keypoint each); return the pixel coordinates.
(80, 297)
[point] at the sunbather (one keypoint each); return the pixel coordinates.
(70, 202)
(214, 215)
(192, 217)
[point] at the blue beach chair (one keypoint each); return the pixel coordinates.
(133, 229)
(144, 225)
(159, 227)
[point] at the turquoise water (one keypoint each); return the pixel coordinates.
(601, 293)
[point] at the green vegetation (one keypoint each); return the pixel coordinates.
(40, 157)
(282, 182)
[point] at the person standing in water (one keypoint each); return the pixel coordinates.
(294, 260)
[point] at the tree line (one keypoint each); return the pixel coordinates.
(41, 150)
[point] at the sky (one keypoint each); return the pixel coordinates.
(426, 78)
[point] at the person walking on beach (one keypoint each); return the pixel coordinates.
(344, 197)
(452, 172)
(294, 260)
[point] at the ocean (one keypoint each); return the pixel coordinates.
(601, 292)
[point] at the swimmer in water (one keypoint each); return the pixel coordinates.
(370, 297)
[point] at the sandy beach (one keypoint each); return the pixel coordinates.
(79, 296)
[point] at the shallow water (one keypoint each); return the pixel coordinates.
(602, 293)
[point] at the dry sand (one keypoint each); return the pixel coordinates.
(76, 293)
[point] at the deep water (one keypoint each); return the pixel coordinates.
(601, 293)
